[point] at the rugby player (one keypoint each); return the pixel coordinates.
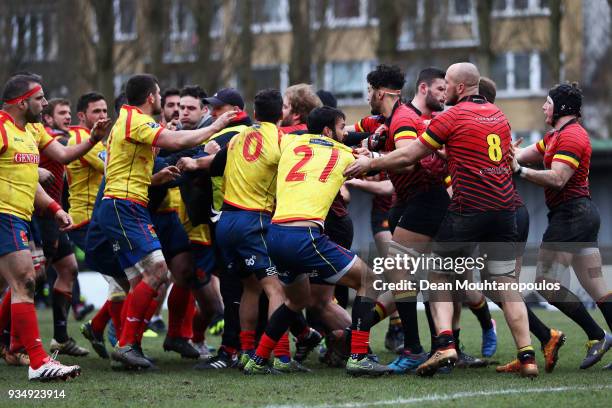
(483, 208)
(297, 246)
(23, 102)
(127, 223)
(573, 219)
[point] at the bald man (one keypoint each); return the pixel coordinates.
(481, 214)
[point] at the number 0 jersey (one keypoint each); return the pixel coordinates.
(309, 177)
(477, 138)
(250, 172)
(19, 158)
(129, 161)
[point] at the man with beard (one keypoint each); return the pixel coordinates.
(127, 223)
(170, 106)
(21, 138)
(422, 199)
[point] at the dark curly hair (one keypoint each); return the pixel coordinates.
(387, 76)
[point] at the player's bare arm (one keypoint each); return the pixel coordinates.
(397, 159)
(183, 139)
(67, 154)
(556, 177)
(384, 187)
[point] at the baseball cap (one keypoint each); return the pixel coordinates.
(226, 96)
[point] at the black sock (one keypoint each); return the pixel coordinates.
(578, 313)
(482, 313)
(362, 316)
(313, 320)
(456, 338)
(279, 322)
(408, 313)
(432, 325)
(605, 305)
(231, 292)
(395, 321)
(341, 293)
(537, 327)
(262, 316)
(76, 293)
(5, 334)
(526, 355)
(444, 341)
(61, 305)
(298, 326)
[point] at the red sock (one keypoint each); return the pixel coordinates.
(137, 306)
(99, 321)
(147, 318)
(115, 308)
(282, 347)
(187, 324)
(178, 302)
(265, 346)
(247, 340)
(25, 326)
(124, 310)
(5, 311)
(198, 327)
(359, 341)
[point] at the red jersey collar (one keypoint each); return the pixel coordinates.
(10, 118)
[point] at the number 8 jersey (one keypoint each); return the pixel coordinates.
(309, 177)
(477, 138)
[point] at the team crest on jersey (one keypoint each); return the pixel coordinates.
(102, 155)
(31, 158)
(152, 230)
(24, 237)
(321, 142)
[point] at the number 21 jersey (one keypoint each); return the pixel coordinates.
(309, 177)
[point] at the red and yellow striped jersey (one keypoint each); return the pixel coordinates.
(569, 145)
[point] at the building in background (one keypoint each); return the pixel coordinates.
(524, 45)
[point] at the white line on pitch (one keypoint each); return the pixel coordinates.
(445, 397)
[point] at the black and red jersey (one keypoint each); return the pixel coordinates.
(477, 138)
(407, 123)
(56, 189)
(369, 124)
(569, 145)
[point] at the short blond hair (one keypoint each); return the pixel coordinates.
(302, 99)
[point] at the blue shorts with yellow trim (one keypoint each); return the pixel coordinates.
(306, 251)
(129, 229)
(205, 263)
(14, 234)
(171, 233)
(240, 237)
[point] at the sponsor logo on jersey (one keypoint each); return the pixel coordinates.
(32, 158)
(250, 261)
(153, 125)
(321, 142)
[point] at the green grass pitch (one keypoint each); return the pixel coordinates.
(176, 384)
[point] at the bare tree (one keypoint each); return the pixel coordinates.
(301, 60)
(156, 14)
(554, 49)
(483, 13)
(245, 50)
(204, 12)
(389, 24)
(105, 67)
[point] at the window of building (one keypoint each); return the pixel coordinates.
(125, 19)
(519, 74)
(340, 12)
(346, 80)
(182, 24)
(216, 26)
(518, 8)
(462, 7)
(271, 15)
(32, 36)
(413, 18)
